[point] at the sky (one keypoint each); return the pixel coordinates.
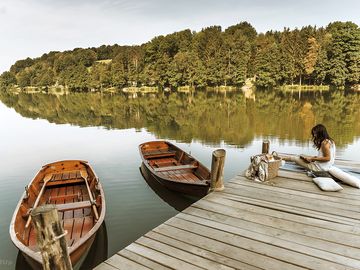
(30, 28)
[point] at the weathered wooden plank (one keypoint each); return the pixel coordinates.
(300, 208)
(268, 246)
(342, 199)
(173, 168)
(294, 175)
(284, 233)
(298, 199)
(348, 195)
(121, 262)
(142, 260)
(300, 183)
(287, 223)
(347, 238)
(222, 248)
(181, 254)
(221, 259)
(235, 201)
(73, 206)
(170, 261)
(105, 266)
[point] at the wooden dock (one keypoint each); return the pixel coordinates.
(287, 223)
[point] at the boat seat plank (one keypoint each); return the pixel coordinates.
(173, 168)
(65, 175)
(158, 153)
(73, 206)
(65, 182)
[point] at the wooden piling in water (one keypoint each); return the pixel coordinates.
(217, 170)
(51, 238)
(265, 147)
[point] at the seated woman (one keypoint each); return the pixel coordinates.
(326, 155)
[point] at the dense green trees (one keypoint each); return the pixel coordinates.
(211, 57)
(344, 53)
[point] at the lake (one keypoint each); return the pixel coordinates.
(106, 129)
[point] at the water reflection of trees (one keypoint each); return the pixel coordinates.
(202, 116)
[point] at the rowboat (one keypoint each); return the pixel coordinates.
(174, 168)
(73, 187)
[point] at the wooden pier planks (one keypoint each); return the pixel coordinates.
(287, 223)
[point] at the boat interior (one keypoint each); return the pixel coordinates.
(172, 163)
(66, 188)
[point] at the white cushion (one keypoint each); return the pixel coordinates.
(345, 177)
(327, 184)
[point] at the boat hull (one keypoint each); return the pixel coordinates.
(179, 172)
(189, 189)
(73, 187)
(76, 257)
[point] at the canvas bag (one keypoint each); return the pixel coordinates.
(263, 167)
(258, 168)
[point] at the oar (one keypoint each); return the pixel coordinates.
(46, 180)
(83, 175)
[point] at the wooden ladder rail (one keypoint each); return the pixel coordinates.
(93, 206)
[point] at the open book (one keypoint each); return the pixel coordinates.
(304, 158)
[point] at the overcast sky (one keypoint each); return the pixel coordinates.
(33, 27)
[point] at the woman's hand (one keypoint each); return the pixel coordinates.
(306, 158)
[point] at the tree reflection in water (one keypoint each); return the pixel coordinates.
(203, 116)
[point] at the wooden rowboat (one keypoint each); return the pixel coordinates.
(75, 189)
(174, 168)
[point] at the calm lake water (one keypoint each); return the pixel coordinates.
(106, 130)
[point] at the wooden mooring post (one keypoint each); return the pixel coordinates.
(217, 170)
(51, 238)
(265, 147)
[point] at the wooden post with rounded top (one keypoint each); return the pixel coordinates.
(265, 147)
(51, 238)
(217, 170)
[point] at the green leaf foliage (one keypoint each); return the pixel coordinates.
(210, 57)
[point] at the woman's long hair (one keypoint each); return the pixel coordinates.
(319, 133)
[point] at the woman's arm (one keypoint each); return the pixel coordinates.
(325, 148)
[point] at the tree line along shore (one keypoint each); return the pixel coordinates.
(324, 56)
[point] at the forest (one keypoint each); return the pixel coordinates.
(211, 57)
